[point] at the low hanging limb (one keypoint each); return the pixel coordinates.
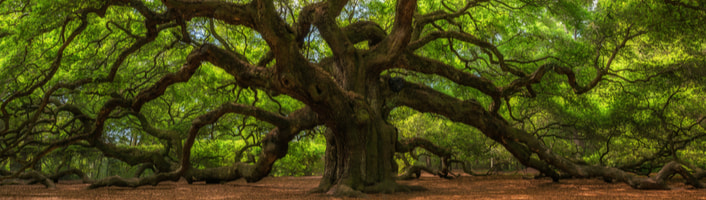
(34, 177)
(27, 178)
(73, 171)
(692, 176)
(609, 173)
(470, 171)
(135, 182)
(523, 145)
(144, 167)
(415, 171)
(274, 146)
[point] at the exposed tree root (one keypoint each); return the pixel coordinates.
(387, 187)
(218, 175)
(470, 171)
(415, 171)
(135, 182)
(210, 175)
(37, 177)
(341, 190)
(34, 177)
(391, 186)
(338, 190)
(68, 172)
(322, 188)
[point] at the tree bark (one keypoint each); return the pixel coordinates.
(360, 158)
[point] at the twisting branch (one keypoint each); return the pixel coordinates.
(232, 13)
(214, 115)
(471, 113)
(52, 69)
(398, 39)
(364, 31)
(430, 66)
(193, 61)
(423, 20)
(323, 16)
(94, 133)
(486, 46)
(522, 144)
(410, 144)
(274, 146)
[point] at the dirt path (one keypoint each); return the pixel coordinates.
(465, 187)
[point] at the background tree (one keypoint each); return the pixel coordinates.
(565, 87)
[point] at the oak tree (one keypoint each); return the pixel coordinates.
(78, 73)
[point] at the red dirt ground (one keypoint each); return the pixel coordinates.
(464, 187)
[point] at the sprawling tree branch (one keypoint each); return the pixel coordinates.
(412, 143)
(519, 142)
(398, 39)
(274, 146)
(51, 71)
(345, 92)
(231, 13)
(426, 19)
(323, 16)
(431, 66)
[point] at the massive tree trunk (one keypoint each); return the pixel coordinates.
(360, 145)
(359, 156)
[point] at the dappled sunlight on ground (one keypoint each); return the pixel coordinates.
(465, 187)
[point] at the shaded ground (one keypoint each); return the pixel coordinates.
(465, 187)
